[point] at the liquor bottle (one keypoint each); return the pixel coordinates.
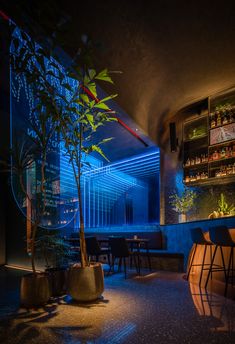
(213, 122)
(222, 153)
(204, 158)
(233, 151)
(192, 161)
(223, 171)
(225, 119)
(230, 116)
(187, 162)
(229, 169)
(218, 122)
(215, 155)
(227, 154)
(197, 160)
(233, 169)
(198, 176)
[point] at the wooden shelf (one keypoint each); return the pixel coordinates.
(196, 138)
(222, 143)
(196, 146)
(219, 160)
(195, 166)
(222, 125)
(212, 181)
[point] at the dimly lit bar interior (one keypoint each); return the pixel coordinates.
(117, 172)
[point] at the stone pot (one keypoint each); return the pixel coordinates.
(34, 290)
(58, 280)
(182, 218)
(86, 284)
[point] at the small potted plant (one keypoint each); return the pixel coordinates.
(183, 203)
(55, 250)
(223, 208)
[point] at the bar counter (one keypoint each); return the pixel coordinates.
(218, 275)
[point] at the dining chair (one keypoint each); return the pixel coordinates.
(95, 250)
(119, 249)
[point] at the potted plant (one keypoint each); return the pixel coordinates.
(223, 208)
(30, 153)
(35, 289)
(78, 129)
(55, 251)
(183, 203)
(75, 120)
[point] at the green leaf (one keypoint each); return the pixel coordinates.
(95, 148)
(92, 103)
(92, 88)
(86, 80)
(102, 106)
(107, 98)
(105, 140)
(90, 119)
(77, 101)
(91, 73)
(84, 98)
(104, 76)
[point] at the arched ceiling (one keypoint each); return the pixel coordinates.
(170, 52)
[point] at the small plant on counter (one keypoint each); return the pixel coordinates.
(223, 208)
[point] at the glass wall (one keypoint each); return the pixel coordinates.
(120, 193)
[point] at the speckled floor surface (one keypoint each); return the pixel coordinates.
(159, 308)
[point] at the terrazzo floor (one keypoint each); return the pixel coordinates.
(160, 307)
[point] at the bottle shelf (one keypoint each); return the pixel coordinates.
(215, 141)
(221, 159)
(222, 143)
(212, 181)
(195, 166)
(220, 126)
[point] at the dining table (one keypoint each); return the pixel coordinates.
(135, 244)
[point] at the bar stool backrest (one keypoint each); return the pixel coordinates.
(197, 236)
(119, 247)
(92, 246)
(220, 236)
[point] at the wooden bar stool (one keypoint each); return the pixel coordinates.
(221, 237)
(198, 238)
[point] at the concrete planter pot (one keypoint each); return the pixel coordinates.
(34, 290)
(58, 280)
(86, 284)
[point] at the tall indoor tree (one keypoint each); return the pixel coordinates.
(74, 112)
